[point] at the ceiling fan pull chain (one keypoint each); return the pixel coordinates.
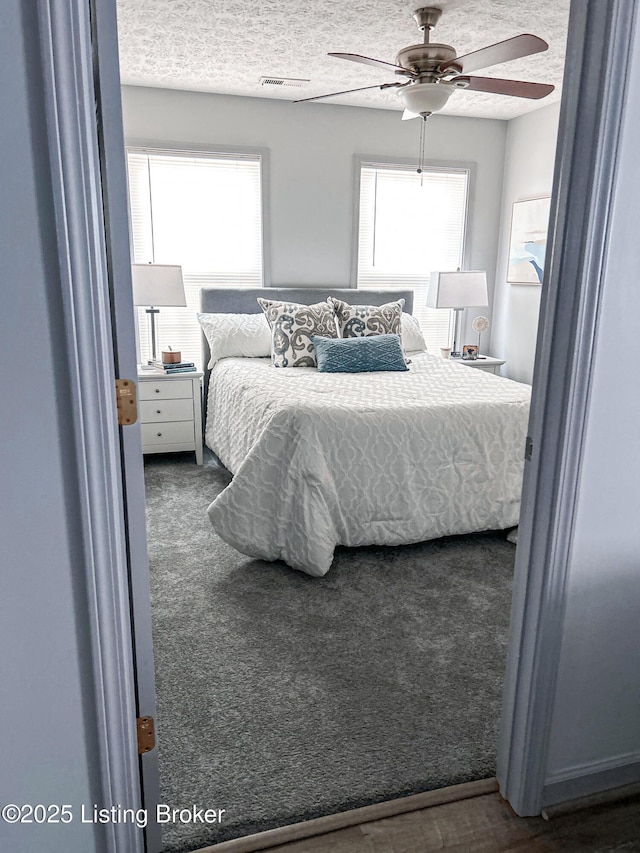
(422, 146)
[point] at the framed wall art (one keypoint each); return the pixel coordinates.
(528, 244)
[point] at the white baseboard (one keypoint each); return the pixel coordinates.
(583, 780)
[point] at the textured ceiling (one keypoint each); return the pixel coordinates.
(225, 46)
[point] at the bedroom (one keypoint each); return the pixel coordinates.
(69, 697)
(308, 181)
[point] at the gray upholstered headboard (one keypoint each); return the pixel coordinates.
(226, 300)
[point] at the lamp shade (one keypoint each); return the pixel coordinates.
(157, 284)
(460, 289)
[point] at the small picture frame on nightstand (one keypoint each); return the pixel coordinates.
(469, 352)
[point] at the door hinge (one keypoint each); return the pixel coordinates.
(146, 734)
(528, 449)
(126, 401)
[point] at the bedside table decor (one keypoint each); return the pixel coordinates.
(176, 366)
(180, 367)
(171, 356)
(458, 290)
(480, 325)
(153, 285)
(469, 352)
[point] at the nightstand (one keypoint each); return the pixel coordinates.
(170, 409)
(486, 363)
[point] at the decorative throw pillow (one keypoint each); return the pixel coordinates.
(357, 321)
(359, 355)
(236, 336)
(411, 334)
(292, 327)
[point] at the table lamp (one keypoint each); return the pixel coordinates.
(157, 285)
(458, 290)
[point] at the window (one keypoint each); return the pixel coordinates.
(411, 224)
(203, 212)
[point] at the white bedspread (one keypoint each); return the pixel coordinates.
(321, 459)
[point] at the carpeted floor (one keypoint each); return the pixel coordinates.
(283, 697)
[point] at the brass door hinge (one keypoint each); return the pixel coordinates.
(146, 734)
(127, 402)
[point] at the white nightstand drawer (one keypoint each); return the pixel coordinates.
(485, 362)
(174, 432)
(159, 411)
(488, 368)
(173, 389)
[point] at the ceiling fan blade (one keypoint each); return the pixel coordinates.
(348, 92)
(378, 63)
(407, 114)
(517, 88)
(494, 54)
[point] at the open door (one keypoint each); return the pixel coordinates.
(113, 175)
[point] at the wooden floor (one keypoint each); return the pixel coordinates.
(485, 824)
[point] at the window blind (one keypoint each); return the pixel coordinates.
(203, 212)
(411, 224)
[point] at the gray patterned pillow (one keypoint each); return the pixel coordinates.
(292, 326)
(358, 321)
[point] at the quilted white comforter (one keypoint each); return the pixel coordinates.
(321, 459)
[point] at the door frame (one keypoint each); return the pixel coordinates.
(88, 181)
(600, 38)
(80, 78)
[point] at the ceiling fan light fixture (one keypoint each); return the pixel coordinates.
(426, 98)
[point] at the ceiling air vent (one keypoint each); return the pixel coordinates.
(289, 82)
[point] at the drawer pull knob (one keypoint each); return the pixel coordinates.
(157, 390)
(159, 434)
(158, 412)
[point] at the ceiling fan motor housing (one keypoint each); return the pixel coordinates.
(425, 58)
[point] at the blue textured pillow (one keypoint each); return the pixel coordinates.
(359, 355)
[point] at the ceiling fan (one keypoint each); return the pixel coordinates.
(431, 72)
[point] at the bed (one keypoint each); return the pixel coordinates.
(325, 459)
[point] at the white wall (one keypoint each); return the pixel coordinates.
(528, 173)
(312, 147)
(46, 721)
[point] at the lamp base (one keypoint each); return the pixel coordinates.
(151, 311)
(455, 352)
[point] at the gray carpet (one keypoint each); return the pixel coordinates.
(283, 697)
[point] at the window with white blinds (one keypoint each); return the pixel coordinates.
(203, 212)
(411, 224)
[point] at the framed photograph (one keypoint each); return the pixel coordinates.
(528, 244)
(469, 352)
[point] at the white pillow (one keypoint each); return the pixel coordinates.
(411, 333)
(236, 336)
